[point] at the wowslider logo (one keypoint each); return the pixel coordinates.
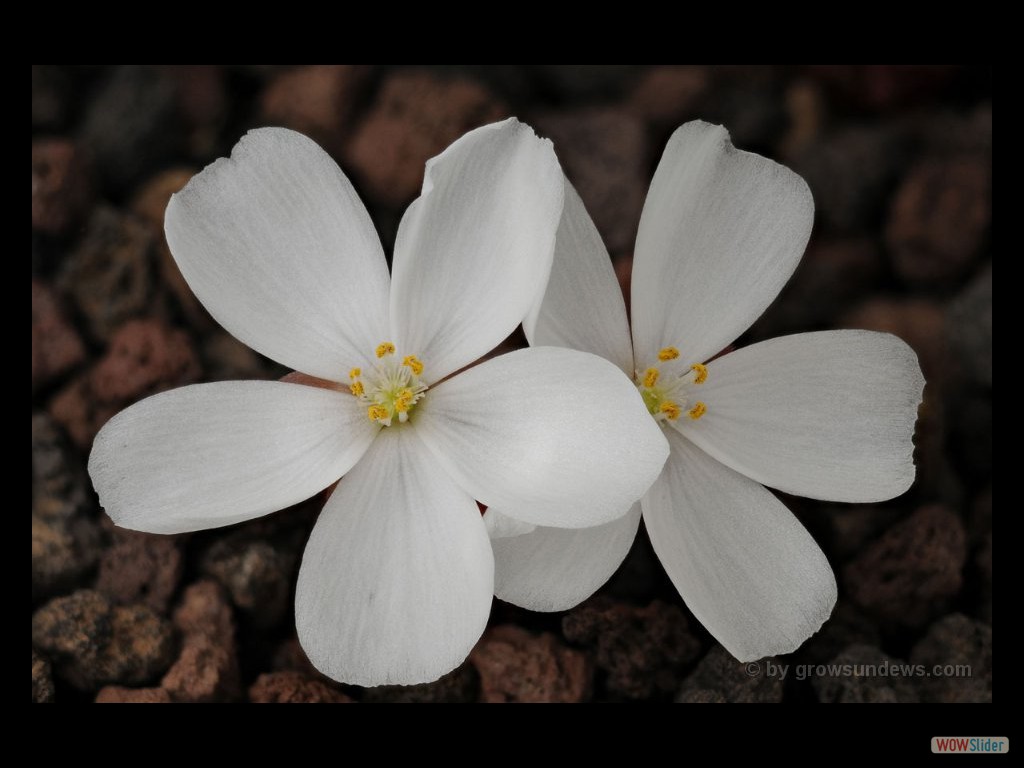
(978, 745)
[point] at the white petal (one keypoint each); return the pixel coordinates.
(548, 436)
(215, 454)
(501, 526)
(828, 415)
(582, 307)
(555, 569)
(748, 570)
(396, 581)
(277, 245)
(721, 233)
(474, 251)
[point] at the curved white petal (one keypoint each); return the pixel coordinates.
(209, 455)
(721, 233)
(501, 526)
(396, 580)
(549, 436)
(555, 569)
(828, 415)
(582, 307)
(277, 245)
(748, 570)
(474, 251)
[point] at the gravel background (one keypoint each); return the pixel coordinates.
(900, 163)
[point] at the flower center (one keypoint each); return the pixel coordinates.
(666, 387)
(392, 388)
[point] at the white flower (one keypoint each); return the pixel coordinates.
(825, 415)
(397, 578)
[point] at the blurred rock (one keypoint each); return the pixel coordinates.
(913, 572)
(983, 563)
(255, 574)
(62, 190)
(642, 650)
(225, 357)
(806, 111)
(586, 81)
(957, 654)
(849, 528)
(145, 357)
(850, 172)
(49, 96)
(109, 275)
(150, 204)
(518, 666)
(748, 102)
(970, 435)
(59, 489)
(885, 86)
(293, 688)
(719, 679)
(132, 124)
(969, 320)
(832, 275)
(939, 220)
(207, 669)
(414, 117)
(862, 674)
(318, 101)
(605, 154)
(56, 346)
(116, 694)
(665, 97)
(141, 568)
(201, 99)
(848, 625)
(94, 643)
(461, 685)
(64, 552)
(42, 680)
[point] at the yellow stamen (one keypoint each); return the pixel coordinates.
(386, 348)
(671, 410)
(700, 373)
(650, 377)
(355, 373)
(377, 412)
(668, 353)
(698, 410)
(413, 363)
(356, 388)
(403, 401)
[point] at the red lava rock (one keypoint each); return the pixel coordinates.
(140, 568)
(62, 190)
(668, 96)
(461, 685)
(316, 100)
(642, 650)
(56, 346)
(145, 357)
(94, 643)
(256, 575)
(885, 86)
(806, 110)
(848, 625)
(518, 666)
(42, 680)
(207, 669)
(861, 674)
(969, 320)
(957, 654)
(63, 554)
(109, 275)
(116, 694)
(913, 571)
(604, 152)
(415, 116)
(59, 489)
(226, 358)
(294, 688)
(150, 204)
(720, 679)
(939, 220)
(49, 96)
(200, 93)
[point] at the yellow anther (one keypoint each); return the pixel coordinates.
(650, 377)
(356, 388)
(700, 373)
(671, 410)
(377, 412)
(386, 348)
(413, 363)
(403, 401)
(668, 353)
(355, 373)
(698, 410)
